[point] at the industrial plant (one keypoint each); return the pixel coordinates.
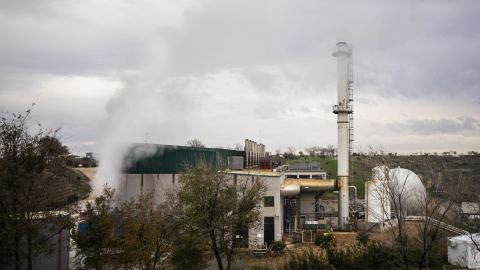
(297, 203)
(293, 203)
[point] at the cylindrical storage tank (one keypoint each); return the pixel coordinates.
(377, 203)
(235, 163)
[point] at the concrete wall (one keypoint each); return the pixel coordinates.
(307, 207)
(58, 260)
(133, 185)
(273, 189)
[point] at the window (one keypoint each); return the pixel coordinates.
(268, 201)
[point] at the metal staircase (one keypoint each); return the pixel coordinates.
(438, 223)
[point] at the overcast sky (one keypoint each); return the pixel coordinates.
(113, 72)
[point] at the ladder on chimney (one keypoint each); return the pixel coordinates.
(350, 116)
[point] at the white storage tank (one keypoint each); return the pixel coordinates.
(463, 252)
(410, 188)
(402, 184)
(377, 204)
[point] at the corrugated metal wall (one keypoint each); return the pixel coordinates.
(170, 159)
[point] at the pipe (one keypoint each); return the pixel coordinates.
(293, 187)
(356, 205)
(289, 190)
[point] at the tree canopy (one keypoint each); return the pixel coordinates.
(31, 164)
(215, 208)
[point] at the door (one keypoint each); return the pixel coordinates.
(269, 229)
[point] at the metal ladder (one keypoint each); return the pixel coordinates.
(350, 116)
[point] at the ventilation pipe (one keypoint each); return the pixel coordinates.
(293, 187)
(342, 109)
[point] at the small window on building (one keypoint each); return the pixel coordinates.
(268, 201)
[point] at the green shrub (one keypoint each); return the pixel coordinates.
(72, 198)
(324, 240)
(188, 254)
(363, 238)
(277, 246)
(437, 255)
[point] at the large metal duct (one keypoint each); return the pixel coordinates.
(293, 187)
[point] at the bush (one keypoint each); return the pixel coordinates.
(373, 255)
(307, 259)
(363, 238)
(72, 198)
(436, 256)
(324, 240)
(188, 254)
(277, 246)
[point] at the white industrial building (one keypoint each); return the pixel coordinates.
(288, 206)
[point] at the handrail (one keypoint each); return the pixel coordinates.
(438, 223)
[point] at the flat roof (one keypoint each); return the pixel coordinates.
(259, 172)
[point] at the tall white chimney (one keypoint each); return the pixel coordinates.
(342, 109)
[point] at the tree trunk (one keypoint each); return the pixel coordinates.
(215, 250)
(229, 262)
(17, 253)
(218, 257)
(30, 252)
(231, 251)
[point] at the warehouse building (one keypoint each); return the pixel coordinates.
(150, 167)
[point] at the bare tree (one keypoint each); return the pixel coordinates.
(291, 150)
(312, 151)
(238, 147)
(195, 143)
(436, 205)
(331, 150)
(403, 199)
(278, 151)
(470, 206)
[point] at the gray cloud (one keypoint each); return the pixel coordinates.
(438, 126)
(239, 67)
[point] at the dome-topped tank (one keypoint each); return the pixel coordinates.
(403, 185)
(409, 188)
